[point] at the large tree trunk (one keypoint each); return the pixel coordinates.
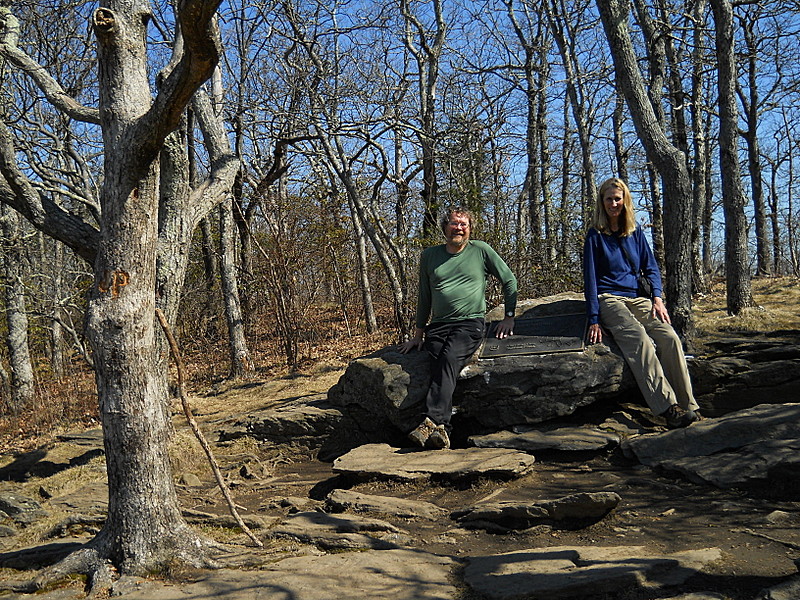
(736, 259)
(669, 161)
(144, 527)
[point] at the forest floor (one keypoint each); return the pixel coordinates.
(759, 536)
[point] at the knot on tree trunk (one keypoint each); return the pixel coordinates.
(104, 21)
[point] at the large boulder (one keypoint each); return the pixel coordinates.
(386, 390)
(383, 393)
(755, 448)
(739, 373)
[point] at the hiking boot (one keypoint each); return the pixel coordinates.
(439, 438)
(677, 417)
(697, 415)
(423, 431)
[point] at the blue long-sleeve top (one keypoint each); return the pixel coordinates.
(606, 270)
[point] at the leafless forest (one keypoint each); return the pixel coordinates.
(346, 127)
(265, 174)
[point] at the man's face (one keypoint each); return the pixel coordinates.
(456, 232)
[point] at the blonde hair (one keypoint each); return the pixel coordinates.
(628, 216)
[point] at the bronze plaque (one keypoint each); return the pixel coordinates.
(538, 335)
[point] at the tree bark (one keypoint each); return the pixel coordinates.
(739, 293)
(751, 104)
(241, 363)
(22, 381)
(668, 160)
(144, 528)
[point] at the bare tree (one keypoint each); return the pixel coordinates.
(751, 103)
(562, 24)
(144, 527)
(669, 161)
(739, 294)
(425, 43)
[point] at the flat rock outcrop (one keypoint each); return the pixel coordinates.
(340, 531)
(302, 423)
(741, 372)
(580, 572)
(388, 388)
(341, 500)
(758, 446)
(388, 574)
(381, 461)
(576, 439)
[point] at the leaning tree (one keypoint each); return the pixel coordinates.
(137, 246)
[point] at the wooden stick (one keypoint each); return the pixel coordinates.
(196, 429)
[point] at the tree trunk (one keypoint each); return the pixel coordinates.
(427, 54)
(370, 319)
(144, 527)
(701, 149)
(241, 363)
(22, 381)
(559, 25)
(56, 330)
(750, 101)
(620, 151)
(739, 294)
(668, 160)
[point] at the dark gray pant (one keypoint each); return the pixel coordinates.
(450, 346)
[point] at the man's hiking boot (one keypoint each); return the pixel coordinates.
(698, 416)
(677, 417)
(439, 438)
(423, 431)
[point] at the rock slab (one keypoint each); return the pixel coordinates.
(576, 439)
(381, 461)
(580, 572)
(388, 575)
(757, 446)
(521, 515)
(348, 532)
(341, 500)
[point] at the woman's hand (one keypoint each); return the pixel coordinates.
(595, 333)
(660, 311)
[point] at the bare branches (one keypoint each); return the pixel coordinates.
(49, 86)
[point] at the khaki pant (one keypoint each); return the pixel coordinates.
(659, 370)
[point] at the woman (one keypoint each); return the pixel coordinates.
(613, 245)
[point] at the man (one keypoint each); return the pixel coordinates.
(452, 291)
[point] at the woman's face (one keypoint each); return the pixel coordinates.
(613, 203)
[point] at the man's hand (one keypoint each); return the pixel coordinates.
(660, 311)
(415, 343)
(505, 328)
(595, 334)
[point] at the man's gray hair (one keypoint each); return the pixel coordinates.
(457, 210)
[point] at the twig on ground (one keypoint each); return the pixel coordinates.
(196, 429)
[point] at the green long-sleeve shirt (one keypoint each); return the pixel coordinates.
(452, 287)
